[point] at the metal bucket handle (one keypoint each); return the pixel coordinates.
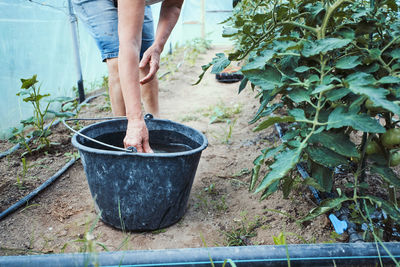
(130, 149)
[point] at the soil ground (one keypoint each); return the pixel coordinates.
(221, 211)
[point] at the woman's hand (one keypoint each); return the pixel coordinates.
(151, 58)
(137, 136)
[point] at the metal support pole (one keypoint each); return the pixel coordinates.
(73, 20)
(203, 19)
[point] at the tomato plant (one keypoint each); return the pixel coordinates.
(327, 68)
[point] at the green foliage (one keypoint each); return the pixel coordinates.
(30, 93)
(242, 231)
(315, 65)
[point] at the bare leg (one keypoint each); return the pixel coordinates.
(116, 98)
(149, 93)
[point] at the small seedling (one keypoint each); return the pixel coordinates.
(188, 118)
(31, 94)
(22, 175)
(223, 113)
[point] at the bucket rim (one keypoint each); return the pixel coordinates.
(84, 148)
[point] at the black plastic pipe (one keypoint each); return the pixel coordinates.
(32, 194)
(340, 254)
(74, 22)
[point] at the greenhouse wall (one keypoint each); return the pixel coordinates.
(36, 38)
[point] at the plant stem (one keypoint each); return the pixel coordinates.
(329, 12)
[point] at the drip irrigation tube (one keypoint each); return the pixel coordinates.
(32, 194)
(359, 254)
(17, 146)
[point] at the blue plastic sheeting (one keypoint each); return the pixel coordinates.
(36, 38)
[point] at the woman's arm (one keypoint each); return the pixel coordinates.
(130, 20)
(169, 15)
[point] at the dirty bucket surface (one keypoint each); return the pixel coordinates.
(141, 191)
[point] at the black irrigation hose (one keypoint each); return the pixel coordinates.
(31, 195)
(17, 146)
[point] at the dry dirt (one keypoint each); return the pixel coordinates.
(219, 203)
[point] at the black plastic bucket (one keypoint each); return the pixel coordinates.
(140, 191)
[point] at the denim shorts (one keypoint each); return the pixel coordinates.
(101, 19)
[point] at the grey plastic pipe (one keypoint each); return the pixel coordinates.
(339, 254)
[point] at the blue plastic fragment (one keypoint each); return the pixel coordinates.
(340, 226)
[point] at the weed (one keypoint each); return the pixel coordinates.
(225, 135)
(72, 155)
(22, 175)
(188, 118)
(281, 240)
(242, 172)
(210, 189)
(243, 230)
(210, 201)
(87, 241)
(159, 231)
(222, 112)
(211, 260)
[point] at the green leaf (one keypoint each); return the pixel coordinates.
(284, 162)
(268, 111)
(301, 69)
(377, 96)
(265, 99)
(219, 63)
(322, 88)
(266, 153)
(29, 121)
(359, 79)
(336, 94)
(325, 206)
(298, 114)
(266, 79)
(287, 186)
(259, 61)
(339, 117)
(325, 156)
(272, 120)
(323, 176)
(313, 182)
(348, 62)
(299, 95)
(388, 79)
(61, 114)
(204, 68)
(243, 84)
(337, 142)
(61, 99)
(270, 190)
(229, 32)
(395, 53)
(387, 174)
(27, 83)
(389, 208)
(323, 45)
